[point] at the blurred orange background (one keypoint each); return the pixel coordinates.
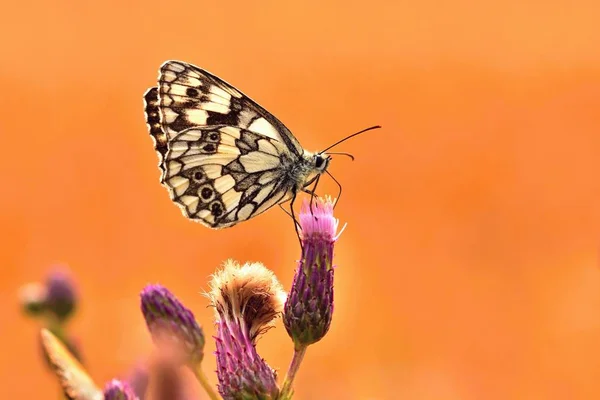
(468, 269)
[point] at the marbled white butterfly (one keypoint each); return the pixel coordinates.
(224, 158)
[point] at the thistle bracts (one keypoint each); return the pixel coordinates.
(246, 300)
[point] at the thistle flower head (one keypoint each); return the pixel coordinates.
(61, 299)
(309, 306)
(249, 293)
(246, 299)
(172, 326)
(317, 221)
(118, 390)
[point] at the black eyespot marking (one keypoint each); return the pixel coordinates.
(198, 175)
(216, 209)
(214, 136)
(206, 193)
(209, 148)
(192, 92)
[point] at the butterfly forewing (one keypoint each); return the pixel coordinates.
(191, 97)
(223, 157)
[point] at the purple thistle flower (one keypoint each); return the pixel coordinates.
(118, 390)
(61, 299)
(172, 326)
(246, 299)
(309, 306)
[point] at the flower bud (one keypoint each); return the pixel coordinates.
(172, 326)
(61, 299)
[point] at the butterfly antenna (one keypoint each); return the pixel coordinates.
(351, 136)
(342, 154)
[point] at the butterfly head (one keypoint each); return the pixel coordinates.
(320, 162)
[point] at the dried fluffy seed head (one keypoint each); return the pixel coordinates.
(118, 390)
(172, 326)
(249, 293)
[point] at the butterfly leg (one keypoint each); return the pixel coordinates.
(312, 197)
(312, 191)
(339, 185)
(296, 224)
(285, 211)
(291, 215)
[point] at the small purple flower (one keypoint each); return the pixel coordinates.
(61, 299)
(172, 326)
(118, 390)
(246, 299)
(309, 306)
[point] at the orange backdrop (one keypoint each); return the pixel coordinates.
(468, 269)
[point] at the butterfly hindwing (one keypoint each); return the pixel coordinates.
(191, 97)
(223, 157)
(221, 175)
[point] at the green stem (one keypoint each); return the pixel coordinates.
(286, 390)
(203, 380)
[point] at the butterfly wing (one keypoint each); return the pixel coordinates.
(153, 121)
(243, 167)
(221, 175)
(191, 97)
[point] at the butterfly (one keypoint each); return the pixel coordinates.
(223, 158)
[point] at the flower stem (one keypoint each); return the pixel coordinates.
(286, 390)
(203, 380)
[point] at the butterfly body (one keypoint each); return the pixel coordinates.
(223, 158)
